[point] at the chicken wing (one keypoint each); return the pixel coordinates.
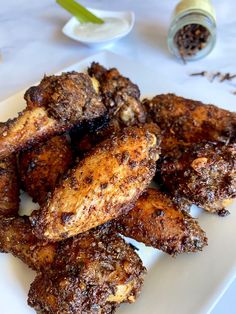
(122, 100)
(185, 121)
(9, 187)
(157, 222)
(41, 167)
(92, 273)
(102, 186)
(205, 174)
(120, 96)
(55, 105)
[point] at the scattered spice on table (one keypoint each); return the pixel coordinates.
(213, 75)
(203, 73)
(227, 77)
(190, 39)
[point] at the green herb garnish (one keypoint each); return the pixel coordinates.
(79, 11)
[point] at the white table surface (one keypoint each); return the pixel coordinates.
(31, 44)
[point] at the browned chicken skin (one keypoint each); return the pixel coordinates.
(41, 167)
(104, 185)
(205, 174)
(55, 105)
(157, 222)
(16, 237)
(9, 187)
(186, 121)
(90, 273)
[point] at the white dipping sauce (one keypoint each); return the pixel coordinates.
(111, 28)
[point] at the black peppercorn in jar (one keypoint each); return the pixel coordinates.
(192, 33)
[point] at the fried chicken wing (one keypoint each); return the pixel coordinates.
(102, 186)
(157, 222)
(205, 174)
(92, 273)
(185, 121)
(9, 187)
(124, 108)
(41, 167)
(55, 105)
(120, 96)
(16, 237)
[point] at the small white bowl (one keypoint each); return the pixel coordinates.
(70, 28)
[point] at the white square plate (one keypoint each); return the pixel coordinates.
(188, 284)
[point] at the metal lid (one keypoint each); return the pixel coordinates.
(203, 5)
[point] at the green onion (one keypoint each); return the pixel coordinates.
(79, 11)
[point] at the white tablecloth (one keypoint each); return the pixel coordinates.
(31, 44)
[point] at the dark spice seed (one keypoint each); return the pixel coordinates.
(227, 77)
(191, 39)
(223, 212)
(222, 77)
(203, 73)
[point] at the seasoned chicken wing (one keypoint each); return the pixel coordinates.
(120, 96)
(55, 105)
(122, 100)
(104, 185)
(205, 174)
(9, 187)
(185, 121)
(41, 167)
(92, 273)
(156, 221)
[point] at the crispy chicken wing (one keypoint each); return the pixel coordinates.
(9, 187)
(122, 100)
(185, 121)
(55, 105)
(41, 167)
(205, 174)
(92, 273)
(157, 222)
(104, 185)
(120, 96)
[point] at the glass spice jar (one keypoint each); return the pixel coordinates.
(192, 33)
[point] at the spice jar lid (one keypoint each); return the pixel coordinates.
(203, 5)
